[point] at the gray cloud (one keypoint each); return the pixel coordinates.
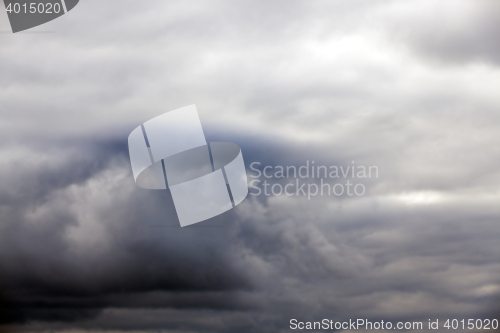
(408, 87)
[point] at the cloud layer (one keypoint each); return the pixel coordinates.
(408, 87)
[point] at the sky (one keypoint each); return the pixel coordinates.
(410, 87)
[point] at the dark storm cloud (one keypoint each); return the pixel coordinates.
(81, 247)
(46, 276)
(273, 260)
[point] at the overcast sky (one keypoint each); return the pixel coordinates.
(411, 87)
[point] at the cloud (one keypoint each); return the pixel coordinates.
(103, 254)
(451, 32)
(407, 87)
